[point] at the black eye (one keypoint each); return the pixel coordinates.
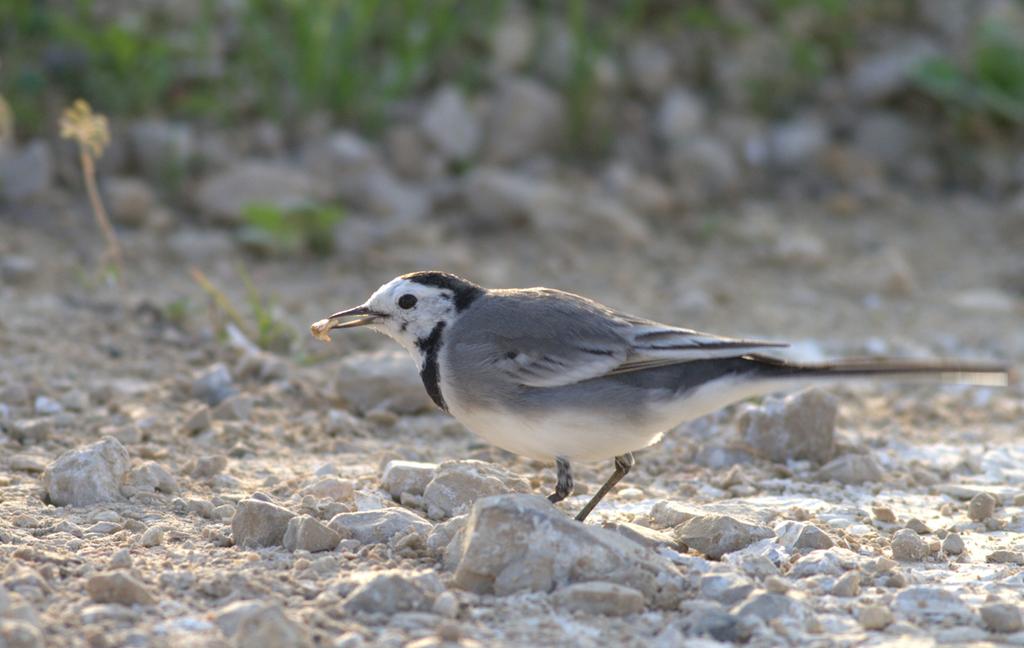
(407, 301)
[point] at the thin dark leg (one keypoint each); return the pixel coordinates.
(564, 486)
(622, 465)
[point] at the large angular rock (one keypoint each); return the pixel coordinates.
(388, 379)
(88, 475)
(369, 527)
(801, 426)
(714, 534)
(457, 484)
(515, 543)
(259, 524)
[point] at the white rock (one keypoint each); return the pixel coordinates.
(230, 616)
(129, 200)
(798, 141)
(224, 196)
(259, 524)
(513, 39)
(800, 426)
(457, 484)
(703, 168)
(381, 379)
(213, 384)
(27, 173)
(680, 115)
(981, 507)
(879, 76)
(714, 534)
(725, 587)
(88, 475)
(390, 593)
(162, 147)
(306, 533)
(801, 535)
(370, 527)
(341, 490)
(852, 469)
(649, 67)
(118, 587)
(446, 605)
(669, 513)
(46, 405)
(149, 477)
(526, 119)
(450, 124)
(874, 617)
(930, 604)
(270, 627)
(830, 562)
(499, 196)
(407, 477)
(598, 597)
(515, 543)
(1001, 617)
(153, 536)
(15, 633)
(908, 545)
(847, 585)
(769, 606)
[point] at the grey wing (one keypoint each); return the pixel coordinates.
(546, 338)
(653, 345)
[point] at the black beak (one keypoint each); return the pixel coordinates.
(362, 315)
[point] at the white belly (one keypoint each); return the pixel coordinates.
(578, 435)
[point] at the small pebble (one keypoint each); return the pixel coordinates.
(917, 526)
(1006, 557)
(953, 544)
(981, 507)
(153, 536)
(884, 514)
(122, 559)
(907, 545)
(874, 617)
(446, 605)
(776, 584)
(1001, 617)
(848, 585)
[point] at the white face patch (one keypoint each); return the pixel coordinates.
(410, 311)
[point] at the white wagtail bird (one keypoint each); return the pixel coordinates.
(558, 377)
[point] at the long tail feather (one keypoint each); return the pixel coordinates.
(951, 372)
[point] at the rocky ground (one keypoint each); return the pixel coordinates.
(175, 473)
(161, 485)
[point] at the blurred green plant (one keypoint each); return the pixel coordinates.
(261, 326)
(990, 82)
(309, 228)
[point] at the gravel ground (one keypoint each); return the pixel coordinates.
(162, 485)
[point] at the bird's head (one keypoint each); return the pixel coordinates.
(408, 308)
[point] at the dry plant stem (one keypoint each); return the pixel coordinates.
(89, 172)
(221, 300)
